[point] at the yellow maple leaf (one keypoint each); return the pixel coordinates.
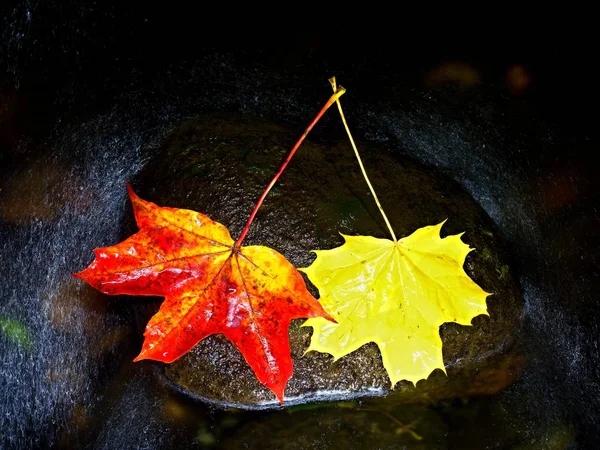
(396, 294)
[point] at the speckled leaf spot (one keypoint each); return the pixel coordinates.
(396, 295)
(248, 294)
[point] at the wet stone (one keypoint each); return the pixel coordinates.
(219, 165)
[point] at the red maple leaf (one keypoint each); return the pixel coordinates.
(248, 294)
(211, 285)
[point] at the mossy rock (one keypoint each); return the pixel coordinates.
(219, 165)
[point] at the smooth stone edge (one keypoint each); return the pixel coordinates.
(322, 397)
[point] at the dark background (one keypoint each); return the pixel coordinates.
(66, 62)
(63, 57)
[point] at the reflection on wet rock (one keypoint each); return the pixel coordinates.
(79, 337)
(453, 72)
(38, 192)
(69, 299)
(518, 79)
(15, 332)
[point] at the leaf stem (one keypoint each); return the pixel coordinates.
(362, 168)
(338, 92)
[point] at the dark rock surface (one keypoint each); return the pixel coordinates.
(219, 165)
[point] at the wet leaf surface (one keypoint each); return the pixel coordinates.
(396, 294)
(248, 294)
